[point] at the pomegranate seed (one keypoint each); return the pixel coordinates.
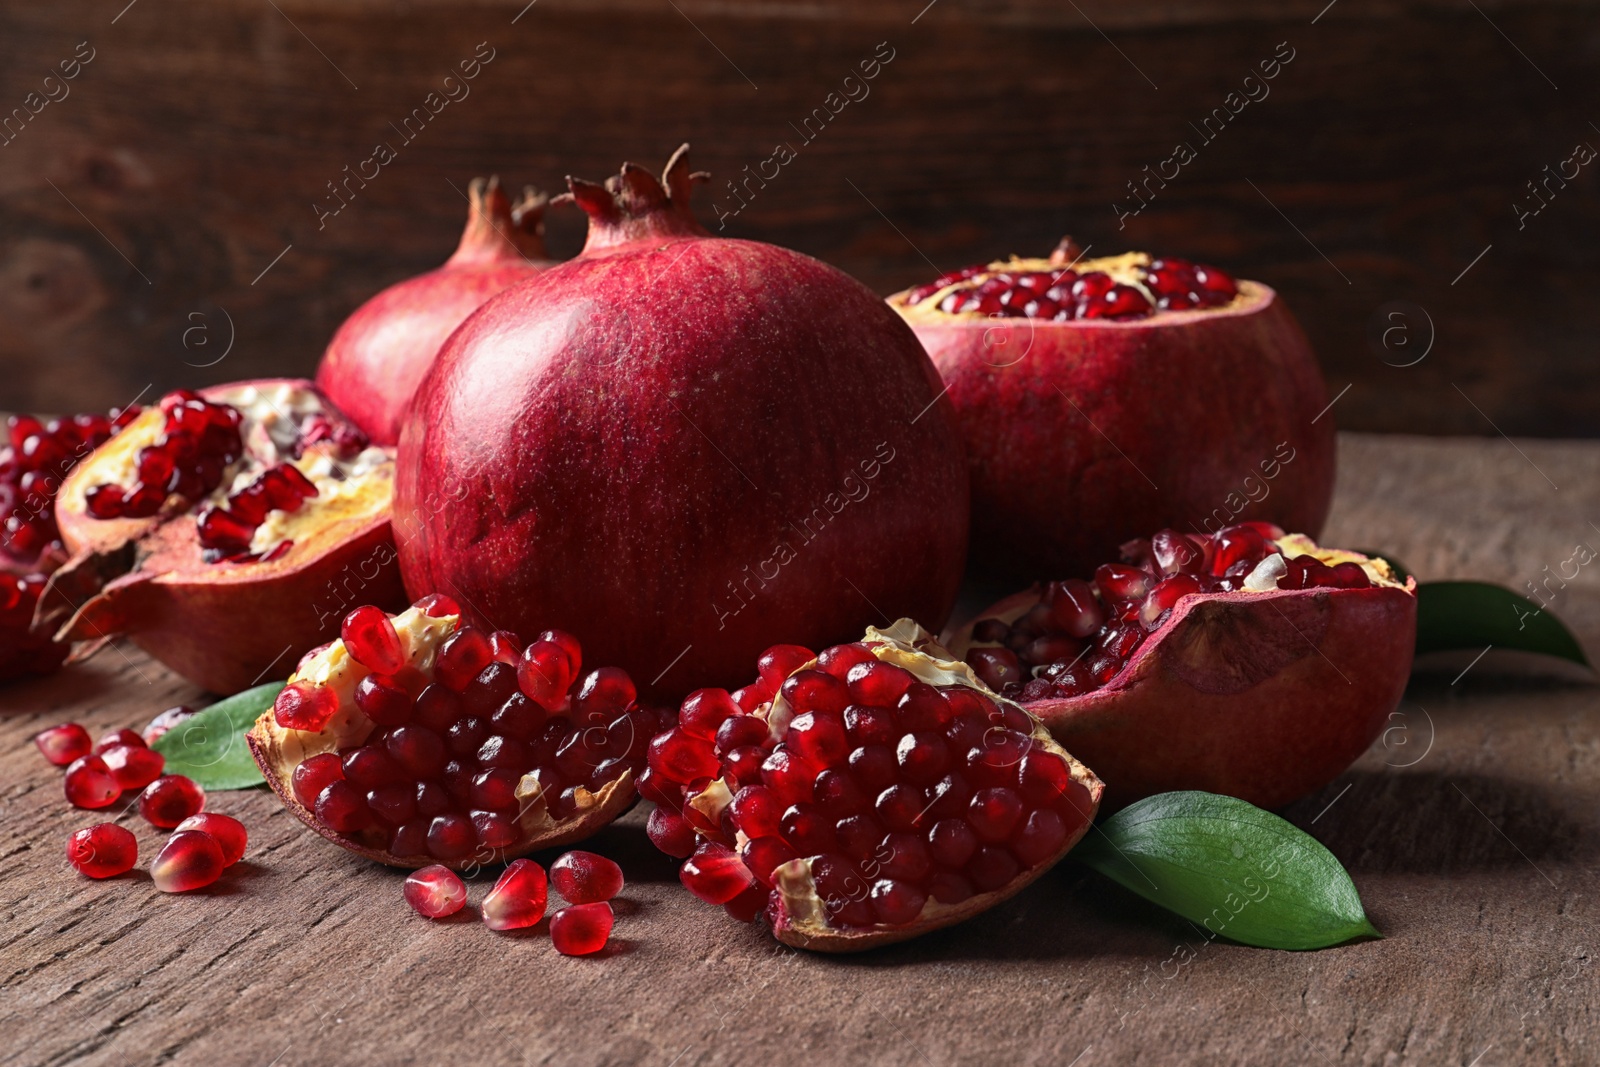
(342, 808)
(896, 903)
(63, 744)
(451, 837)
(518, 898)
(118, 737)
(383, 699)
(304, 706)
(780, 661)
(435, 892)
(170, 799)
(584, 877)
(581, 929)
(189, 860)
(370, 638)
(102, 851)
(747, 905)
(670, 833)
(705, 711)
(228, 832)
(438, 606)
(168, 720)
(89, 784)
(133, 768)
(715, 874)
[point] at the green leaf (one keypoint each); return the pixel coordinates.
(1471, 615)
(210, 747)
(1231, 868)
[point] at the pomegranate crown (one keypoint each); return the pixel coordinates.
(497, 229)
(635, 205)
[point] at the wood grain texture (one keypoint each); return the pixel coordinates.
(143, 217)
(1471, 834)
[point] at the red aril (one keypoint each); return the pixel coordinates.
(133, 767)
(228, 832)
(926, 801)
(435, 892)
(160, 725)
(1102, 399)
(586, 878)
(36, 455)
(380, 353)
(189, 860)
(63, 744)
(22, 650)
(786, 415)
(170, 799)
(450, 759)
(88, 783)
(102, 851)
(518, 898)
(581, 929)
(1253, 663)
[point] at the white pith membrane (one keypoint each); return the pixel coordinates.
(1262, 579)
(1128, 269)
(353, 487)
(334, 669)
(907, 645)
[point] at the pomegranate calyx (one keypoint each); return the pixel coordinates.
(498, 230)
(634, 205)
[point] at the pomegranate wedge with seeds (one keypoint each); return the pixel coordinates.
(1253, 663)
(222, 530)
(416, 740)
(1103, 398)
(868, 794)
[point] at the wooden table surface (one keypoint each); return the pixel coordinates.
(1471, 834)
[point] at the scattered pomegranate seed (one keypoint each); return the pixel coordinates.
(118, 737)
(170, 799)
(189, 860)
(228, 832)
(131, 767)
(89, 784)
(161, 724)
(585, 877)
(435, 892)
(581, 929)
(102, 851)
(518, 898)
(63, 744)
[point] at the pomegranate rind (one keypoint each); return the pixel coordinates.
(278, 751)
(798, 916)
(1262, 695)
(1083, 434)
(222, 626)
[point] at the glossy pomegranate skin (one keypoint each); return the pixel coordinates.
(1084, 434)
(380, 353)
(635, 446)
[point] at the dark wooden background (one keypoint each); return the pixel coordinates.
(139, 216)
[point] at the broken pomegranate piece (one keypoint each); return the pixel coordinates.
(870, 793)
(1250, 662)
(454, 756)
(226, 531)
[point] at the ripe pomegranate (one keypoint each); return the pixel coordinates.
(380, 353)
(224, 531)
(682, 449)
(416, 740)
(1253, 663)
(1101, 399)
(34, 458)
(866, 795)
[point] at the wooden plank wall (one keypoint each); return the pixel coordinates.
(164, 204)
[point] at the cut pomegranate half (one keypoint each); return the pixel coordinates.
(869, 794)
(1253, 663)
(475, 750)
(223, 531)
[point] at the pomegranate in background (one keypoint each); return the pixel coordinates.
(1254, 663)
(224, 531)
(682, 450)
(1101, 399)
(380, 353)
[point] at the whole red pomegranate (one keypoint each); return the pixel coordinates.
(683, 450)
(1253, 662)
(864, 795)
(224, 531)
(1101, 399)
(380, 353)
